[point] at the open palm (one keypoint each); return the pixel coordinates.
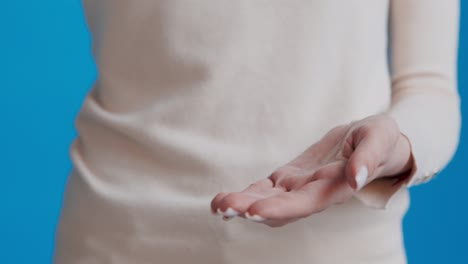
(328, 172)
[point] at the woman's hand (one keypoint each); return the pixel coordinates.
(328, 172)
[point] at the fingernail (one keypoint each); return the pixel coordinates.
(255, 218)
(219, 211)
(361, 177)
(230, 212)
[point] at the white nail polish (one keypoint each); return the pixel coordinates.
(361, 177)
(230, 212)
(255, 218)
(219, 211)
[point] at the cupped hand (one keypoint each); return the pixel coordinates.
(326, 173)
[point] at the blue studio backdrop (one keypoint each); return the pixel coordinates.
(45, 71)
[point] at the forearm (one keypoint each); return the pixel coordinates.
(425, 101)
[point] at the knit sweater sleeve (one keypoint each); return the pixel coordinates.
(425, 100)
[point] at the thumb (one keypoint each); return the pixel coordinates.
(365, 157)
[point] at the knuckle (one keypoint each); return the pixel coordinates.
(279, 174)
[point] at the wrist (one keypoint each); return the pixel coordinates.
(400, 160)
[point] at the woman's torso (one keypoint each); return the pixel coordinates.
(198, 97)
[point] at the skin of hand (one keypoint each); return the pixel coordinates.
(328, 172)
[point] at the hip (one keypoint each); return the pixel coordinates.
(107, 223)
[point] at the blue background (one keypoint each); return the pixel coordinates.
(45, 71)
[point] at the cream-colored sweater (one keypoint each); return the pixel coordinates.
(197, 97)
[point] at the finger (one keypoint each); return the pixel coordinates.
(335, 189)
(289, 177)
(311, 198)
(295, 182)
(237, 203)
(259, 186)
(214, 203)
(365, 158)
(253, 188)
(289, 205)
